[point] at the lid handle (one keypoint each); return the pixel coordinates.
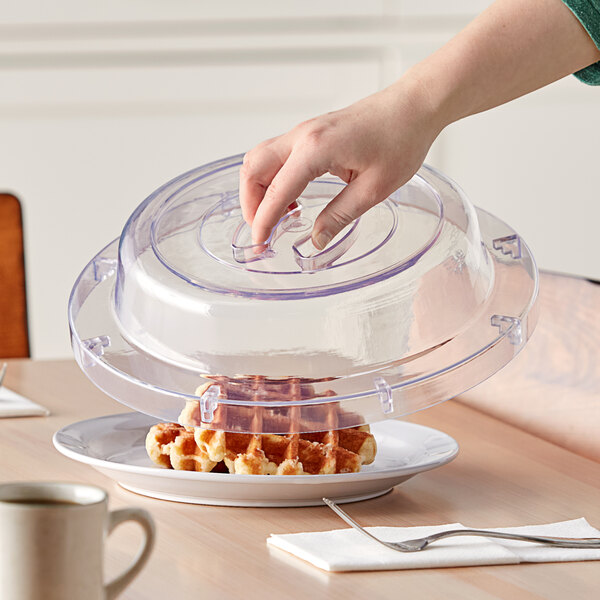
(250, 252)
(307, 257)
(325, 258)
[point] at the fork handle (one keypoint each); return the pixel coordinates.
(562, 542)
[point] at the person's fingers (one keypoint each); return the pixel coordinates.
(289, 182)
(259, 168)
(355, 199)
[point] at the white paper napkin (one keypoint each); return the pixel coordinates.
(15, 405)
(349, 550)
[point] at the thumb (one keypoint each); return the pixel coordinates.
(354, 200)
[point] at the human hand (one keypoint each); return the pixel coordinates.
(375, 146)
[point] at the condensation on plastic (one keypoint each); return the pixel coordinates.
(420, 300)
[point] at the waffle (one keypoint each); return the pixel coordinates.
(250, 390)
(194, 448)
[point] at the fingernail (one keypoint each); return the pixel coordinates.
(321, 239)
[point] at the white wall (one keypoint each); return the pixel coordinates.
(533, 163)
(101, 102)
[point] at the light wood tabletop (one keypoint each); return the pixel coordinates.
(552, 388)
(503, 476)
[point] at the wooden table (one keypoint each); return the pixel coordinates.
(502, 477)
(552, 389)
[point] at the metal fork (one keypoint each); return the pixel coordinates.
(421, 543)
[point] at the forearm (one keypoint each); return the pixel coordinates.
(511, 49)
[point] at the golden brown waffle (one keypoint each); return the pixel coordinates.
(337, 450)
(173, 446)
(159, 441)
(250, 390)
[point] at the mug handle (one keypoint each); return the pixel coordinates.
(141, 516)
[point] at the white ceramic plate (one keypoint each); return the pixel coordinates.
(115, 446)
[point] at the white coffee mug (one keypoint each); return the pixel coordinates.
(52, 542)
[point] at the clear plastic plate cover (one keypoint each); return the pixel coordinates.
(185, 319)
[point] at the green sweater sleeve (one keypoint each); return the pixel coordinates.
(588, 14)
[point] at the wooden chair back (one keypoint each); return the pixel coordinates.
(14, 337)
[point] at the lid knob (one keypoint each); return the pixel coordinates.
(307, 257)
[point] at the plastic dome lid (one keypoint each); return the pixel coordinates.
(421, 298)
